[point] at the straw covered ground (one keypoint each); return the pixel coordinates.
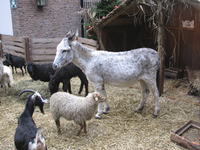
(121, 128)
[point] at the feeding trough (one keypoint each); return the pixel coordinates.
(188, 135)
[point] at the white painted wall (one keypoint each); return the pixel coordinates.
(5, 18)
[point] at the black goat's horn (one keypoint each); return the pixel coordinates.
(27, 90)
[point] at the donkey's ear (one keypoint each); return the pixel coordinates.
(68, 34)
(73, 36)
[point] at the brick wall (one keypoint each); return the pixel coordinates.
(53, 20)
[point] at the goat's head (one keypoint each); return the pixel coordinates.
(53, 85)
(64, 53)
(7, 62)
(30, 68)
(37, 99)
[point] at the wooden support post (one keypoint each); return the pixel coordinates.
(160, 30)
(95, 28)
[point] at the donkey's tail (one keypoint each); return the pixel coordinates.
(158, 80)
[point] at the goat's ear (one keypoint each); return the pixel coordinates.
(73, 36)
(68, 34)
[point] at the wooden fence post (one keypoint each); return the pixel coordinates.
(1, 47)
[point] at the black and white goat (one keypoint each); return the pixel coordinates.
(64, 75)
(40, 71)
(27, 135)
(17, 62)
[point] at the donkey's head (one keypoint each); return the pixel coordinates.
(64, 54)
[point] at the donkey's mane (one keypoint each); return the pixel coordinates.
(82, 48)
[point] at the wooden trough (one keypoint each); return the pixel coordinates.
(183, 137)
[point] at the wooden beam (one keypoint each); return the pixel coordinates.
(12, 38)
(179, 39)
(112, 17)
(184, 100)
(195, 52)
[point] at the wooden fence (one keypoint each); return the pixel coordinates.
(38, 50)
(14, 45)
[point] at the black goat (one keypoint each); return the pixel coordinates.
(26, 135)
(40, 71)
(64, 75)
(17, 62)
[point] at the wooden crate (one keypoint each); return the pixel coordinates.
(174, 73)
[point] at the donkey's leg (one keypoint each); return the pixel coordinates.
(145, 93)
(106, 104)
(155, 92)
(101, 89)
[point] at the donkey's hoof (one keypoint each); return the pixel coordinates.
(97, 117)
(155, 116)
(137, 111)
(156, 113)
(105, 112)
(107, 109)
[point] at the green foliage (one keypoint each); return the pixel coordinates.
(104, 7)
(86, 27)
(101, 9)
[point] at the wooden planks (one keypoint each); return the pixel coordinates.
(14, 45)
(38, 50)
(44, 50)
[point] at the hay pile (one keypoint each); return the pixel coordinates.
(121, 128)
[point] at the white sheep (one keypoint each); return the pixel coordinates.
(7, 77)
(1, 69)
(71, 107)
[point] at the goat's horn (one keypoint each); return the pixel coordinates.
(27, 90)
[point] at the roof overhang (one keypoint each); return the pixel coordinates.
(129, 9)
